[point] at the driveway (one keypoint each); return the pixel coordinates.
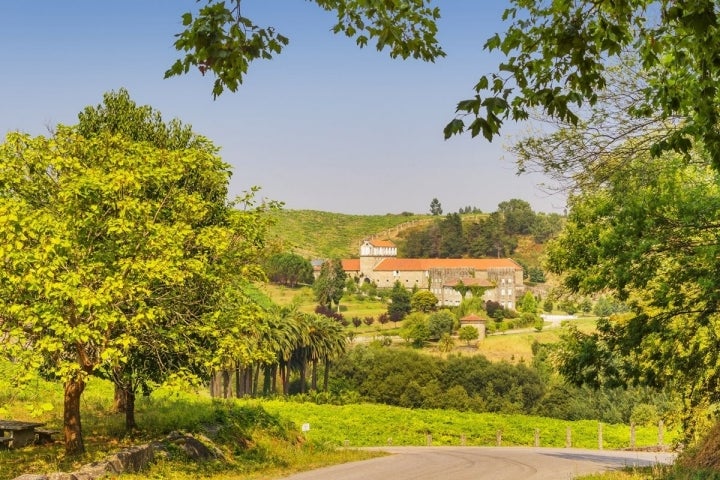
(479, 463)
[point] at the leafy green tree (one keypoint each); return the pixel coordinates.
(546, 226)
(289, 269)
(557, 56)
(654, 244)
(154, 358)
(439, 323)
(104, 238)
(452, 238)
(415, 329)
(468, 333)
(119, 114)
(221, 41)
(330, 284)
(536, 275)
(399, 305)
(435, 207)
(423, 301)
(487, 237)
(518, 216)
(528, 303)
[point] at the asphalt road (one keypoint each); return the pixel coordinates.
(480, 463)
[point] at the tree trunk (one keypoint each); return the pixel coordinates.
(284, 374)
(326, 375)
(303, 374)
(226, 383)
(313, 378)
(72, 427)
(119, 399)
(130, 410)
(238, 387)
(267, 380)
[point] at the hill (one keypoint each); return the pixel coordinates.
(316, 234)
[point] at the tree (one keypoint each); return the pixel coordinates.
(557, 57)
(423, 301)
(452, 238)
(289, 269)
(415, 329)
(528, 303)
(221, 41)
(518, 216)
(330, 284)
(399, 302)
(655, 246)
(435, 207)
(119, 114)
(154, 357)
(440, 323)
(104, 238)
(468, 333)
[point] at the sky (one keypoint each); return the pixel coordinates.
(323, 126)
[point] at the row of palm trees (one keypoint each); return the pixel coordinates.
(299, 344)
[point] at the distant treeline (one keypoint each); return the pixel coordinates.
(493, 235)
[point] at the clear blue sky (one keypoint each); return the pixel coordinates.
(324, 126)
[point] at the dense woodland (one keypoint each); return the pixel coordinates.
(493, 235)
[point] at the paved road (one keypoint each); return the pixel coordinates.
(480, 463)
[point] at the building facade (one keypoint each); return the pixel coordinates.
(499, 279)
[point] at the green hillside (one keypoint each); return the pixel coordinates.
(318, 234)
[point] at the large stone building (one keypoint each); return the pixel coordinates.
(500, 278)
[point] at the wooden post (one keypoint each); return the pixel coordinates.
(498, 436)
(632, 435)
(568, 438)
(429, 439)
(600, 436)
(660, 433)
(462, 439)
(537, 437)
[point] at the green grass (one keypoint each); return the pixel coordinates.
(373, 425)
(327, 235)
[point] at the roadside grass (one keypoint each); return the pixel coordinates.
(361, 425)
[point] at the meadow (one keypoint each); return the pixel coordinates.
(271, 430)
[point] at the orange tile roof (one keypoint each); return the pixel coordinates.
(472, 318)
(381, 243)
(423, 264)
(351, 264)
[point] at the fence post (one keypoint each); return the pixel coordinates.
(632, 435)
(429, 439)
(462, 439)
(537, 437)
(568, 438)
(498, 437)
(660, 433)
(600, 436)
